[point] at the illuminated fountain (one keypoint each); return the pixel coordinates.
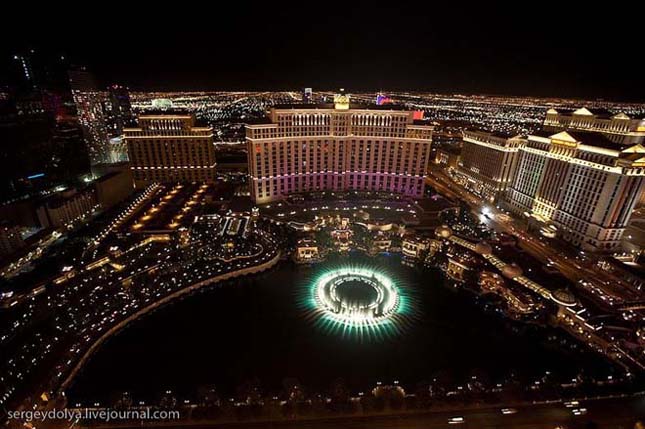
(359, 300)
(357, 296)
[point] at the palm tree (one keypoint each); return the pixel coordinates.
(339, 395)
(168, 400)
(207, 396)
(123, 401)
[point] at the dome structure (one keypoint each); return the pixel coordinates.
(511, 271)
(564, 297)
(483, 248)
(443, 231)
(361, 214)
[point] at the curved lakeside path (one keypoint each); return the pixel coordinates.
(157, 304)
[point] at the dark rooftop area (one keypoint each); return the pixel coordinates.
(164, 112)
(501, 134)
(589, 138)
(264, 120)
(597, 112)
(601, 113)
(241, 204)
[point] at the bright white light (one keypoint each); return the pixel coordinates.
(332, 297)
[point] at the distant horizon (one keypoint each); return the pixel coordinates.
(395, 91)
(139, 90)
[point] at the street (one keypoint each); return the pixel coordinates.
(604, 413)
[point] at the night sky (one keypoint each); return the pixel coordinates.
(539, 48)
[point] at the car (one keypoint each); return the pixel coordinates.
(507, 411)
(456, 420)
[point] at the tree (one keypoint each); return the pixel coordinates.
(339, 394)
(207, 396)
(423, 396)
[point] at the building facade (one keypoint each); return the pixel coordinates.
(118, 111)
(10, 239)
(582, 183)
(307, 95)
(67, 207)
(619, 128)
(118, 151)
(415, 247)
(307, 251)
(335, 148)
(448, 157)
(113, 187)
(487, 162)
(39, 149)
(170, 148)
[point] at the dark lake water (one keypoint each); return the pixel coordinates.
(257, 328)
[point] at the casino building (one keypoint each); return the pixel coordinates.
(170, 148)
(337, 148)
(579, 177)
(487, 162)
(582, 183)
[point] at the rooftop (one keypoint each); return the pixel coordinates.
(589, 138)
(241, 204)
(264, 120)
(634, 268)
(500, 134)
(353, 106)
(598, 113)
(165, 113)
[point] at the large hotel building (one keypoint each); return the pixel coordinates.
(316, 148)
(581, 182)
(582, 174)
(170, 148)
(487, 162)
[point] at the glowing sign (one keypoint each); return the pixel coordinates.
(382, 99)
(341, 101)
(162, 103)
